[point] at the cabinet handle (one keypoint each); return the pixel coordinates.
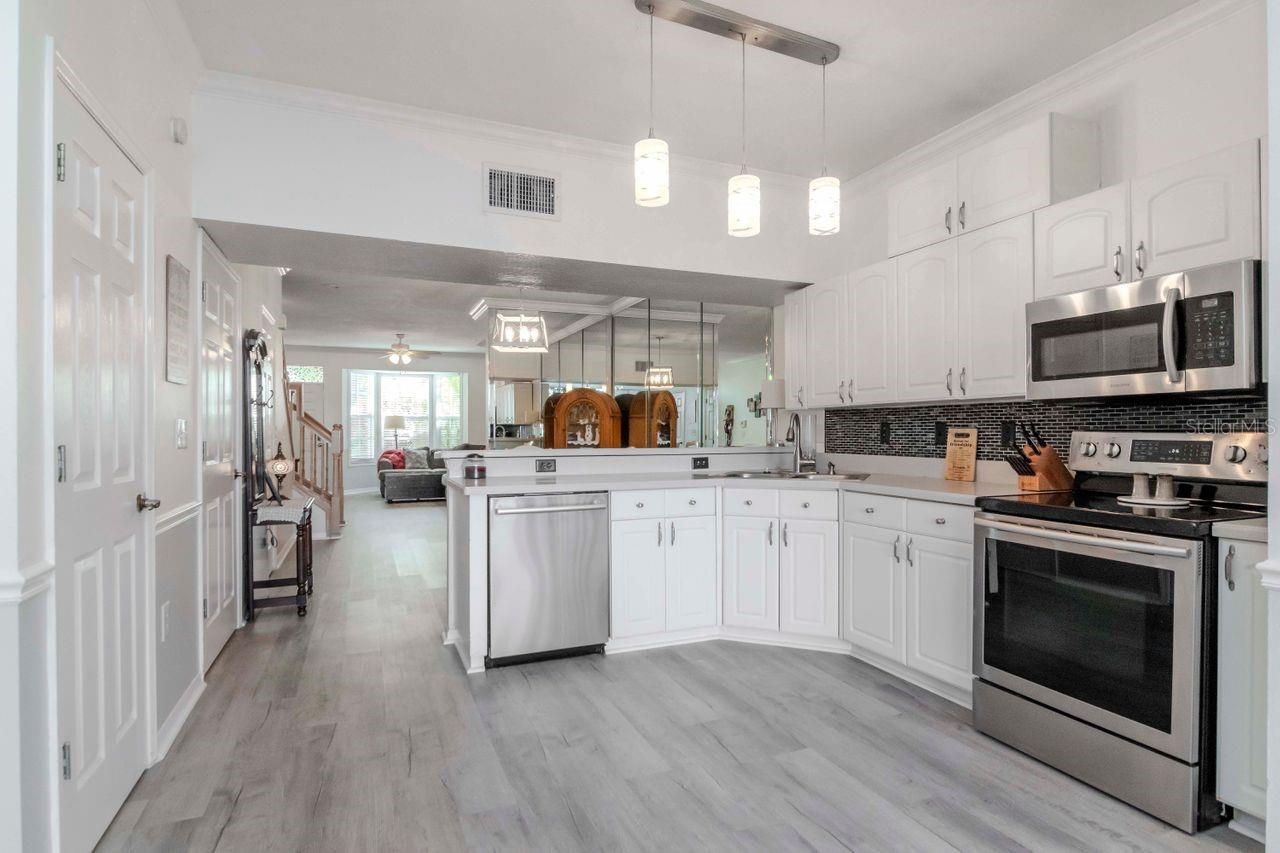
(1227, 569)
(964, 386)
(746, 503)
(946, 220)
(950, 370)
(673, 533)
(1115, 267)
(693, 502)
(1140, 257)
(841, 390)
(869, 510)
(896, 557)
(639, 504)
(784, 535)
(910, 562)
(800, 395)
(962, 206)
(939, 521)
(659, 534)
(771, 533)
(806, 504)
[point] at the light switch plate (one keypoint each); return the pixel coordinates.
(180, 433)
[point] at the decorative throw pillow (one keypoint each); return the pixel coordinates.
(395, 457)
(417, 458)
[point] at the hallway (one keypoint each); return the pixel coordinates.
(355, 729)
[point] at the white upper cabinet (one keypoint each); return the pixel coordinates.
(922, 208)
(691, 572)
(1083, 242)
(870, 334)
(796, 343)
(751, 572)
(1030, 167)
(994, 284)
(939, 609)
(926, 302)
(809, 578)
(824, 303)
(1198, 213)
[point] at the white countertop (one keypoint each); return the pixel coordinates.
(1248, 530)
(919, 488)
(544, 452)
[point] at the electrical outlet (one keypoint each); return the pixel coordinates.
(544, 466)
(701, 463)
(885, 433)
(1008, 433)
(940, 433)
(164, 621)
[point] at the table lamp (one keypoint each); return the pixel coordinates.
(395, 423)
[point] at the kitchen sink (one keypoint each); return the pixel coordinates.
(827, 476)
(789, 475)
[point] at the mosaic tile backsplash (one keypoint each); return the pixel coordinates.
(912, 428)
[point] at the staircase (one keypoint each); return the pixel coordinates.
(317, 452)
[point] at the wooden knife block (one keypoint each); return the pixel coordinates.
(1051, 474)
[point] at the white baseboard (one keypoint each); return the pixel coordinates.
(659, 641)
(1249, 826)
(169, 730)
(464, 655)
(964, 698)
(763, 637)
(372, 490)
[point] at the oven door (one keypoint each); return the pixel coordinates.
(1101, 625)
(1119, 339)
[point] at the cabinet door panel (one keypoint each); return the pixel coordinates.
(751, 572)
(1242, 679)
(691, 572)
(926, 323)
(872, 590)
(994, 286)
(871, 317)
(795, 348)
(922, 208)
(826, 339)
(940, 609)
(1198, 213)
(638, 577)
(1004, 177)
(1083, 242)
(809, 578)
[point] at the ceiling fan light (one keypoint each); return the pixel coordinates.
(405, 358)
(653, 173)
(744, 205)
(824, 206)
(394, 358)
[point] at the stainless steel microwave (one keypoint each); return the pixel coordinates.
(1197, 330)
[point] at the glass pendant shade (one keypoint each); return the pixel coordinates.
(744, 205)
(519, 333)
(658, 378)
(653, 175)
(824, 206)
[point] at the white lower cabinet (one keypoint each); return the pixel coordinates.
(1242, 677)
(751, 572)
(940, 609)
(809, 578)
(663, 564)
(874, 587)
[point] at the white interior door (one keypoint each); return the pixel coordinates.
(100, 341)
(220, 581)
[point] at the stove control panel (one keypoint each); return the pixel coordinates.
(1215, 456)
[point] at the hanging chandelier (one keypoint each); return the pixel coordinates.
(519, 332)
(744, 189)
(659, 377)
(400, 352)
(824, 190)
(653, 176)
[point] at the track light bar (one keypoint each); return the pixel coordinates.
(730, 24)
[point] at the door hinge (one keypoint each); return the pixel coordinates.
(66, 760)
(204, 607)
(62, 162)
(204, 291)
(62, 463)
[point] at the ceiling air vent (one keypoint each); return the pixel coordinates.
(521, 192)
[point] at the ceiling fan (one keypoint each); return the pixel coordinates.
(400, 352)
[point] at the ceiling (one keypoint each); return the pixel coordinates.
(908, 68)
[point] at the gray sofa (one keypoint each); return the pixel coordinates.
(416, 484)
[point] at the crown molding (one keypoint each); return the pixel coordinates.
(239, 87)
(1036, 98)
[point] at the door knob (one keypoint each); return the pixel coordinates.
(145, 503)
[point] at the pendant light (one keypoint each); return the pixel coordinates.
(659, 377)
(744, 189)
(824, 190)
(519, 332)
(400, 352)
(653, 176)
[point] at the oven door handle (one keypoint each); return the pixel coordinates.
(1168, 334)
(1088, 539)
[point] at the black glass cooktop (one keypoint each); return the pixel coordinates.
(1102, 509)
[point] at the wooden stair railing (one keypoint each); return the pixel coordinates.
(318, 453)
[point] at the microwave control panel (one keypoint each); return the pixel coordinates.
(1210, 330)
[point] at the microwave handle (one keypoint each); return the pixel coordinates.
(1168, 334)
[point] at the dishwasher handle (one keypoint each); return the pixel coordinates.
(533, 510)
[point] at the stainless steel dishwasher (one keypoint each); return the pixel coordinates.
(548, 576)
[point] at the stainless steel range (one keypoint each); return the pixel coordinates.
(1095, 614)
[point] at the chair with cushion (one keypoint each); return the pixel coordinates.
(417, 480)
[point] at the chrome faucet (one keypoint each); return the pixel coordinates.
(800, 464)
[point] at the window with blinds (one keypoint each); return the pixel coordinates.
(431, 404)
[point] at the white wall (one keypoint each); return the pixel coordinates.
(741, 378)
(361, 476)
(139, 63)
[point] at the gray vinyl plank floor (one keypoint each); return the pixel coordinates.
(355, 729)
